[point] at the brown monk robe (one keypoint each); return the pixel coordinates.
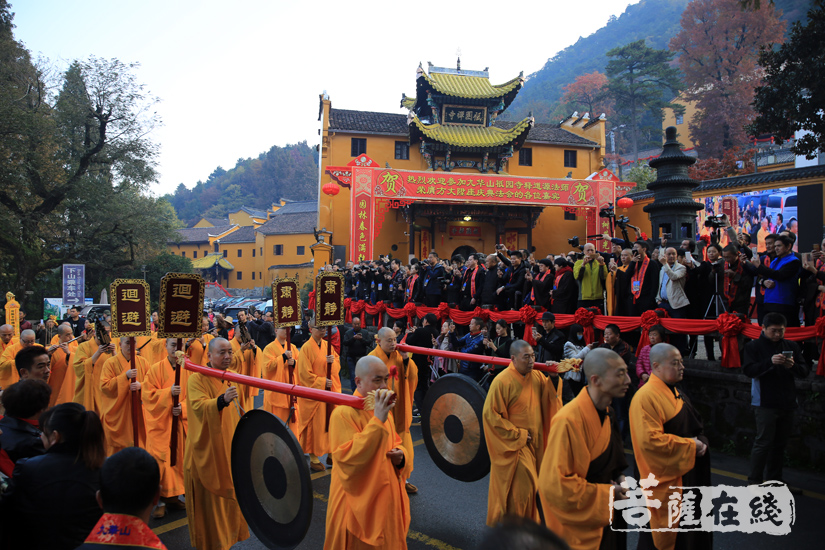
(276, 361)
(158, 392)
(585, 459)
(368, 507)
(312, 373)
(8, 372)
(87, 363)
(244, 361)
(118, 379)
(517, 413)
(403, 381)
(668, 442)
(62, 379)
(196, 347)
(215, 519)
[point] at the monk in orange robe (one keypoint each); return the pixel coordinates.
(62, 379)
(196, 347)
(8, 372)
(158, 389)
(7, 337)
(87, 364)
(118, 379)
(276, 361)
(584, 459)
(313, 364)
(151, 348)
(368, 507)
(517, 414)
(215, 519)
(403, 381)
(244, 361)
(668, 442)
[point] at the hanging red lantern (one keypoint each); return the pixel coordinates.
(625, 202)
(331, 189)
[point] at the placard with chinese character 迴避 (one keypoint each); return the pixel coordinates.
(286, 302)
(74, 283)
(181, 306)
(329, 299)
(130, 308)
(464, 114)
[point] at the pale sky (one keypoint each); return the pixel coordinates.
(236, 78)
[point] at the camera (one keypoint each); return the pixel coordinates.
(574, 242)
(608, 211)
(621, 222)
(715, 222)
(667, 236)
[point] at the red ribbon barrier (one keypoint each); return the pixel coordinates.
(290, 389)
(820, 333)
(500, 361)
(730, 326)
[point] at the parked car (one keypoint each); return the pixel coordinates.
(93, 311)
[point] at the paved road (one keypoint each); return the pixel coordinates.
(449, 514)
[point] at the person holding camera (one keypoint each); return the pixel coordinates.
(472, 284)
(514, 285)
(643, 277)
(591, 273)
(540, 285)
(453, 280)
(565, 292)
(433, 274)
(396, 284)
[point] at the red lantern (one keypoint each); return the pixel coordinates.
(625, 202)
(331, 189)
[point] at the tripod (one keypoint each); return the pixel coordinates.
(716, 302)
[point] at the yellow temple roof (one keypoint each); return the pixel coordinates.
(470, 87)
(209, 261)
(408, 102)
(473, 136)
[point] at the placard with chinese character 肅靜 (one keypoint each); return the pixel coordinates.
(181, 306)
(286, 303)
(130, 308)
(329, 299)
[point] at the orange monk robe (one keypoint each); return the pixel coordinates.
(87, 374)
(666, 456)
(215, 519)
(197, 351)
(515, 405)
(61, 379)
(8, 372)
(610, 285)
(574, 508)
(3, 346)
(312, 373)
(274, 367)
(114, 398)
(402, 383)
(156, 391)
(245, 362)
(151, 348)
(368, 505)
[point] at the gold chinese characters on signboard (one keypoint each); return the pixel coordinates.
(329, 299)
(130, 308)
(181, 305)
(286, 302)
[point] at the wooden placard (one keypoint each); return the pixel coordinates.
(181, 305)
(286, 302)
(130, 308)
(13, 313)
(329, 299)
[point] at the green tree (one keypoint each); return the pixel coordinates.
(639, 78)
(642, 174)
(793, 97)
(156, 268)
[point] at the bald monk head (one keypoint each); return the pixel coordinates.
(125, 348)
(371, 373)
(65, 333)
(666, 363)
(27, 338)
(386, 339)
(607, 377)
(219, 353)
(317, 333)
(6, 334)
(171, 348)
(522, 356)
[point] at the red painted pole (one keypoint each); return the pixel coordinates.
(135, 396)
(329, 373)
(291, 370)
(173, 443)
(500, 361)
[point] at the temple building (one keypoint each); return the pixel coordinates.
(450, 175)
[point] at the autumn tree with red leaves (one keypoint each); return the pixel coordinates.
(587, 93)
(718, 50)
(733, 162)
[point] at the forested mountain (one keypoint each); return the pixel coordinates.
(289, 172)
(656, 21)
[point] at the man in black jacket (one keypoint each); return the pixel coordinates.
(550, 340)
(24, 401)
(514, 286)
(472, 284)
(432, 274)
(358, 344)
(491, 282)
(773, 363)
(423, 337)
(396, 284)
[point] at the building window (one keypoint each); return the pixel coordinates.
(195, 254)
(239, 253)
(262, 251)
(183, 253)
(680, 119)
(260, 276)
(300, 251)
(359, 146)
(402, 150)
(253, 251)
(239, 275)
(570, 159)
(569, 216)
(525, 156)
(253, 275)
(224, 253)
(278, 249)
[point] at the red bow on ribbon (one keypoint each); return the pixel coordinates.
(528, 315)
(348, 308)
(730, 326)
(649, 319)
(820, 333)
(483, 313)
(410, 311)
(584, 317)
(443, 311)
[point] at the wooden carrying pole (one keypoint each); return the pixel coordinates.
(173, 443)
(135, 397)
(291, 369)
(329, 373)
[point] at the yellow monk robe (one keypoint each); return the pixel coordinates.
(197, 351)
(114, 398)
(245, 362)
(151, 348)
(404, 384)
(3, 346)
(576, 509)
(273, 367)
(156, 391)
(668, 457)
(368, 505)
(215, 519)
(8, 372)
(61, 379)
(515, 405)
(312, 373)
(87, 374)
